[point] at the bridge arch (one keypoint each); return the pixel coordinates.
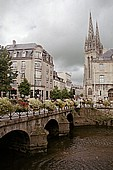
(70, 117)
(16, 140)
(52, 127)
(110, 94)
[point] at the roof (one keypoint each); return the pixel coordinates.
(22, 46)
(108, 55)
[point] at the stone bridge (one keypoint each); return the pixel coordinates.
(30, 133)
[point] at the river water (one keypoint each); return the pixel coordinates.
(86, 148)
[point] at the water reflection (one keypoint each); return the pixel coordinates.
(86, 148)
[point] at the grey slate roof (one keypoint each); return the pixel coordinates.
(107, 55)
(22, 46)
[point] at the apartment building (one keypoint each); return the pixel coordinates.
(34, 63)
(67, 79)
(58, 81)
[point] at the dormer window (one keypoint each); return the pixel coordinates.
(47, 58)
(23, 53)
(14, 54)
(51, 60)
(37, 54)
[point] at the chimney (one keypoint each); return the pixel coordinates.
(14, 43)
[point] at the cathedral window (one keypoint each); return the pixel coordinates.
(101, 78)
(89, 66)
(101, 66)
(89, 91)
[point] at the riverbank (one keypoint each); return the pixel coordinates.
(93, 116)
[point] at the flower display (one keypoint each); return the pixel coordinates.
(49, 105)
(21, 106)
(6, 106)
(106, 103)
(35, 104)
(60, 103)
(69, 102)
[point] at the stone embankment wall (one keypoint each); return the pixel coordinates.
(93, 116)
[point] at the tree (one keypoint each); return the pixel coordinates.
(24, 88)
(6, 73)
(55, 93)
(65, 94)
(71, 95)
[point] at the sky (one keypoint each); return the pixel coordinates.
(60, 26)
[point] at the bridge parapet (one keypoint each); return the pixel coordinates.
(33, 125)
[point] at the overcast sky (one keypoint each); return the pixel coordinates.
(60, 26)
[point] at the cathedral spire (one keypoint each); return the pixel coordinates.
(90, 31)
(97, 34)
(99, 46)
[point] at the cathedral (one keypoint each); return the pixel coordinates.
(98, 67)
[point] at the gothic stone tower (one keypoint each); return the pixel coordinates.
(93, 49)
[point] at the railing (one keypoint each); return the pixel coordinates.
(29, 113)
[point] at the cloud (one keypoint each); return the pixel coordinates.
(60, 26)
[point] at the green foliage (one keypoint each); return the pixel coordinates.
(71, 95)
(55, 93)
(6, 74)
(65, 94)
(24, 88)
(61, 94)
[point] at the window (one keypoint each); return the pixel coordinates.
(14, 82)
(101, 66)
(51, 60)
(14, 54)
(89, 91)
(14, 65)
(46, 95)
(101, 78)
(37, 54)
(18, 54)
(22, 75)
(47, 58)
(23, 64)
(89, 67)
(37, 74)
(38, 82)
(37, 64)
(23, 53)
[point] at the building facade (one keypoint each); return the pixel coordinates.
(34, 63)
(98, 67)
(58, 81)
(67, 79)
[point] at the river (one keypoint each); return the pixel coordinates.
(86, 148)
